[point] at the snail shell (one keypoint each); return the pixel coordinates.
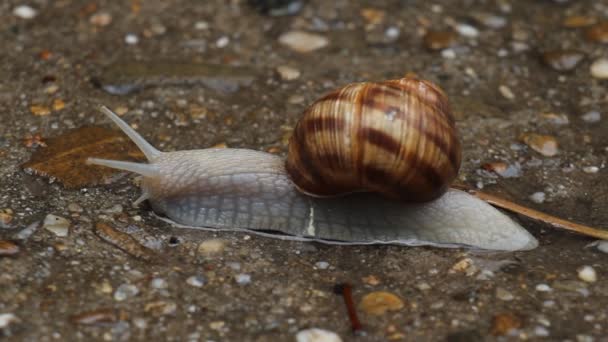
(397, 138)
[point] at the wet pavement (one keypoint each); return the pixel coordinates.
(527, 81)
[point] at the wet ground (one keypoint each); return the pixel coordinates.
(512, 69)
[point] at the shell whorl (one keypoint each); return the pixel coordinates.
(396, 137)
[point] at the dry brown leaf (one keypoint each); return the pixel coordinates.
(123, 241)
(64, 158)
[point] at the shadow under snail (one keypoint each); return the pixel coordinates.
(367, 163)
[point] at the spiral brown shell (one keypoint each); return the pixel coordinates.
(395, 137)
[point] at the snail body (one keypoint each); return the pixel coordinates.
(241, 189)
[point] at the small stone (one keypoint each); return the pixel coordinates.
(587, 274)
(322, 265)
(121, 110)
(591, 169)
(159, 283)
(317, 335)
(40, 110)
(439, 40)
(6, 217)
(462, 265)
(372, 16)
(503, 169)
(424, 286)
(379, 302)
(601, 245)
(115, 209)
(101, 19)
(222, 42)
(242, 279)
(75, 208)
(196, 281)
(371, 280)
(506, 92)
(303, 42)
(578, 21)
(599, 68)
(96, 317)
(543, 144)
(562, 60)
(125, 291)
(598, 33)
(490, 20)
(541, 331)
(503, 294)
(467, 30)
(217, 325)
(448, 53)
(25, 12)
(592, 117)
(543, 288)
(556, 119)
(503, 323)
(8, 248)
(58, 104)
(212, 246)
(56, 225)
(161, 308)
(288, 73)
(538, 197)
(201, 25)
(7, 319)
(131, 39)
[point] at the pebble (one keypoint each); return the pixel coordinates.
(75, 208)
(490, 20)
(56, 225)
(8, 248)
(125, 291)
(538, 197)
(598, 33)
(222, 42)
(322, 265)
(371, 280)
(503, 169)
(196, 281)
(303, 42)
(467, 30)
(6, 216)
(201, 25)
(562, 60)
(503, 294)
(27, 231)
(556, 119)
(6, 319)
(159, 283)
(599, 68)
(372, 16)
(543, 144)
(424, 286)
(439, 40)
(101, 19)
(591, 169)
(503, 323)
(577, 21)
(243, 279)
(317, 335)
(592, 117)
(212, 246)
(543, 288)
(506, 92)
(40, 110)
(448, 53)
(131, 39)
(587, 274)
(601, 245)
(25, 12)
(161, 308)
(96, 317)
(541, 331)
(288, 73)
(379, 302)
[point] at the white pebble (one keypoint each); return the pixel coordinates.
(131, 39)
(196, 281)
(222, 42)
(6, 319)
(538, 197)
(587, 274)
(506, 92)
(56, 225)
(448, 53)
(125, 291)
(317, 335)
(591, 117)
(243, 279)
(541, 331)
(322, 265)
(159, 283)
(201, 25)
(25, 12)
(601, 245)
(543, 288)
(392, 32)
(303, 42)
(288, 73)
(599, 68)
(591, 169)
(467, 30)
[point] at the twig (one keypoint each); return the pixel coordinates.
(345, 290)
(536, 215)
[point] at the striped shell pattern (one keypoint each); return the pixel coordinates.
(396, 137)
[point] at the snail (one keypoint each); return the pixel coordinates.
(369, 163)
